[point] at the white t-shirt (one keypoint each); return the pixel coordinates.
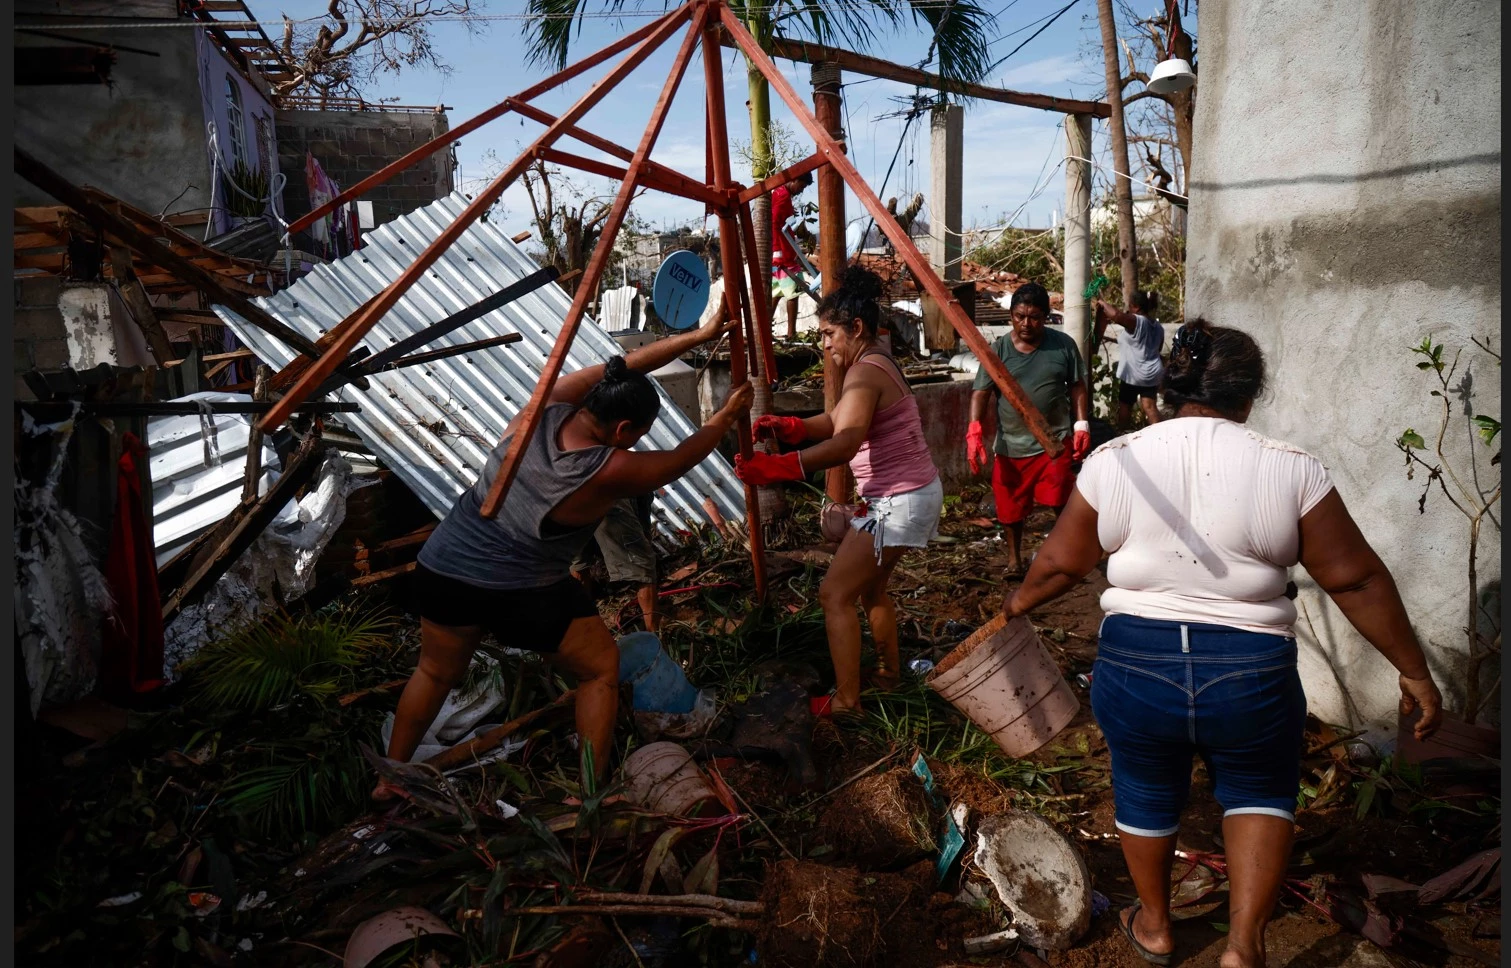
(1202, 518)
(1138, 353)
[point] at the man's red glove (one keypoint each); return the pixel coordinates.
(786, 430)
(975, 447)
(1080, 441)
(763, 470)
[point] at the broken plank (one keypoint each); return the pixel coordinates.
(250, 520)
(384, 575)
(465, 752)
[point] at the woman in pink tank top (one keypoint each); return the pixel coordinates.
(875, 427)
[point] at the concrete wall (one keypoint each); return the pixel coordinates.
(1345, 203)
(350, 145)
(141, 139)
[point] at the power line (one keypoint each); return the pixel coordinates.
(1036, 33)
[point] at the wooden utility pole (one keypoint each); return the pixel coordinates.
(1077, 255)
(831, 246)
(1122, 184)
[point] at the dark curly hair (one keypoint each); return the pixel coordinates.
(623, 394)
(856, 298)
(1213, 366)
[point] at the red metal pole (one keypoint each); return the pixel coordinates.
(649, 178)
(729, 254)
(322, 368)
(472, 124)
(760, 306)
(922, 271)
(831, 248)
(529, 420)
(689, 187)
(813, 162)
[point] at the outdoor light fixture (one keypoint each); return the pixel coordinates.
(1173, 74)
(1171, 77)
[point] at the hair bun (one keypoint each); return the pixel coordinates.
(616, 369)
(1189, 353)
(862, 282)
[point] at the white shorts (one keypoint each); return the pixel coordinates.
(906, 520)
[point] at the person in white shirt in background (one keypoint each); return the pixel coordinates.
(1203, 518)
(1141, 339)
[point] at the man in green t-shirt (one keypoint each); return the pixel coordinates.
(1048, 366)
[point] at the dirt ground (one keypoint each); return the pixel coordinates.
(960, 582)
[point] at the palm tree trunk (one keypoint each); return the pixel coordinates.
(1122, 188)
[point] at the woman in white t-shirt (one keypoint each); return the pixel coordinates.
(1202, 518)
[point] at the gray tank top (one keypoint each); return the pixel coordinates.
(519, 548)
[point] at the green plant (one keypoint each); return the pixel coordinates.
(270, 663)
(1470, 496)
(245, 189)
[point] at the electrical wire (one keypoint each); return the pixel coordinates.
(1036, 33)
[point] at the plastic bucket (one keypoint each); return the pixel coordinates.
(659, 683)
(1005, 681)
(664, 778)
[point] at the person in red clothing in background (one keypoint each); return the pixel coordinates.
(787, 276)
(1047, 364)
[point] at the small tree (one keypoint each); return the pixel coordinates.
(1463, 489)
(328, 60)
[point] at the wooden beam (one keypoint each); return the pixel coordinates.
(807, 53)
(472, 124)
(247, 522)
(153, 252)
(322, 368)
(139, 307)
(717, 158)
(919, 266)
(530, 417)
(813, 162)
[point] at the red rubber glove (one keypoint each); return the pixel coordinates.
(786, 430)
(763, 470)
(1080, 441)
(975, 447)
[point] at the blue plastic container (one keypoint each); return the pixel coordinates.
(659, 684)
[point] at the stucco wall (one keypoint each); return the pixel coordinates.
(259, 143)
(1345, 203)
(142, 139)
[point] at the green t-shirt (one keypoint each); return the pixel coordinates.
(1046, 376)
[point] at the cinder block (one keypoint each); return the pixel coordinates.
(21, 355)
(38, 291)
(38, 323)
(50, 354)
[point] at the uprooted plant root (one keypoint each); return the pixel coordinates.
(881, 822)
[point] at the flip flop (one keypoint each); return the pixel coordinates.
(1144, 953)
(822, 707)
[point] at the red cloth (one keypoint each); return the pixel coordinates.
(131, 647)
(1018, 483)
(782, 256)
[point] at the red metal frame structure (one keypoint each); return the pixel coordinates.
(708, 22)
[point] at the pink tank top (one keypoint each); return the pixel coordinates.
(895, 457)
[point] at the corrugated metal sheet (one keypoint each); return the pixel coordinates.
(435, 424)
(189, 495)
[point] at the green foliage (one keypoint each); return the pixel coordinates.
(270, 663)
(302, 782)
(251, 182)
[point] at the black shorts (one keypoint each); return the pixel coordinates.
(520, 618)
(1128, 392)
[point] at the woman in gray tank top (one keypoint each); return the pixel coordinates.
(510, 575)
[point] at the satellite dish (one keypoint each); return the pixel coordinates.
(680, 292)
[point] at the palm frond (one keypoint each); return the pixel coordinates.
(554, 22)
(270, 662)
(961, 31)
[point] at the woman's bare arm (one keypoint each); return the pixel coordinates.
(1067, 555)
(1339, 559)
(633, 473)
(572, 387)
(849, 423)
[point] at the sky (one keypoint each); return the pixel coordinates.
(1013, 155)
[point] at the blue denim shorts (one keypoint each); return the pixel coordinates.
(1165, 691)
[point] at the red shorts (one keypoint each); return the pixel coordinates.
(1018, 483)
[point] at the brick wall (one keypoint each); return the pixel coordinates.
(350, 145)
(38, 338)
